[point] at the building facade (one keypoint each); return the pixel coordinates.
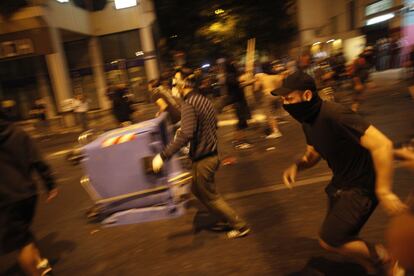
(55, 50)
(349, 25)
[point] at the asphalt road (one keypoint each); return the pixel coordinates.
(284, 222)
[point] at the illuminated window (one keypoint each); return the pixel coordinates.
(122, 4)
(380, 18)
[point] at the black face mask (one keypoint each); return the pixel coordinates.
(306, 111)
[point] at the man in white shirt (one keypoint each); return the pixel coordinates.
(266, 83)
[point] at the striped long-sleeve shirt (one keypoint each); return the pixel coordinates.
(198, 126)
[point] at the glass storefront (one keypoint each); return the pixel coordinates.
(124, 62)
(80, 70)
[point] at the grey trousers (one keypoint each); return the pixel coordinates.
(204, 188)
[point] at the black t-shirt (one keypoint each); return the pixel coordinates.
(335, 134)
(173, 107)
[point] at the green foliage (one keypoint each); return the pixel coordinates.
(206, 29)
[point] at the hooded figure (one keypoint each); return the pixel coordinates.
(19, 158)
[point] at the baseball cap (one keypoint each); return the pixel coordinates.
(299, 80)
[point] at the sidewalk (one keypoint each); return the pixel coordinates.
(97, 119)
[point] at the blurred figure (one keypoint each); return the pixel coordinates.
(360, 75)
(325, 82)
(235, 94)
(304, 64)
(385, 49)
(199, 127)
(39, 111)
(410, 66)
(395, 53)
(338, 65)
(360, 157)
(162, 97)
(81, 108)
(121, 105)
(198, 78)
(369, 56)
(19, 158)
(206, 87)
(267, 82)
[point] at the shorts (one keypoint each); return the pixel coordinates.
(15, 221)
(271, 106)
(348, 211)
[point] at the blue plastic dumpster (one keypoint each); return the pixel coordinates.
(116, 179)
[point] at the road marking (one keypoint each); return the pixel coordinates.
(61, 152)
(256, 118)
(278, 187)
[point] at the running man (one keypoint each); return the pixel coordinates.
(361, 159)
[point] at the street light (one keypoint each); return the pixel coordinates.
(379, 19)
(219, 11)
(122, 4)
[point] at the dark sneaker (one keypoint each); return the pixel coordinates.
(220, 227)
(238, 233)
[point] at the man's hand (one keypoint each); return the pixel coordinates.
(157, 163)
(391, 203)
(289, 175)
(406, 156)
(52, 194)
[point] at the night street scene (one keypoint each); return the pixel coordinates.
(195, 137)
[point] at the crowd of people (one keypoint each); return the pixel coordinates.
(359, 155)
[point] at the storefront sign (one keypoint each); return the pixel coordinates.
(378, 7)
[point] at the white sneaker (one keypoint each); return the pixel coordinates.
(244, 146)
(44, 267)
(238, 233)
(274, 135)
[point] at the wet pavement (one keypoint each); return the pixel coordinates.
(284, 222)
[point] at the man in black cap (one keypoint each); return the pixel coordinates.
(360, 157)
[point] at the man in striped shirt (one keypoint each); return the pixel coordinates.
(199, 127)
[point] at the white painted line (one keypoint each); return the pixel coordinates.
(57, 153)
(256, 118)
(278, 187)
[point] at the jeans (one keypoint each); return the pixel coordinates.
(204, 188)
